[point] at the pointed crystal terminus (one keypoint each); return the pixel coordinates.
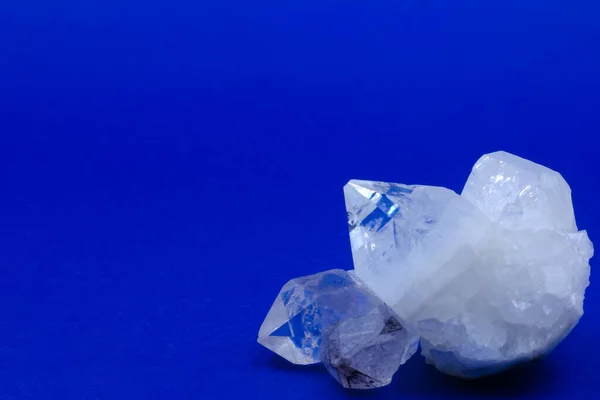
(407, 240)
(302, 311)
(334, 318)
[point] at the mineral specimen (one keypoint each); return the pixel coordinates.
(491, 278)
(488, 279)
(334, 318)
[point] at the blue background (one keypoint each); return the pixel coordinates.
(166, 166)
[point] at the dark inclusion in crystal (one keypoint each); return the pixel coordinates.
(365, 352)
(391, 325)
(354, 379)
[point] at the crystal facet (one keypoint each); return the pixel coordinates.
(333, 317)
(365, 352)
(295, 324)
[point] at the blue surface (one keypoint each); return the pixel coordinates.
(167, 166)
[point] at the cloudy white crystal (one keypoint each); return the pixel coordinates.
(520, 194)
(490, 278)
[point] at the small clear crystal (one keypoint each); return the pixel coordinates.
(333, 317)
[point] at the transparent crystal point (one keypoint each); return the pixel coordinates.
(294, 326)
(402, 236)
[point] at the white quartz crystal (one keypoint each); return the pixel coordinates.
(520, 194)
(490, 278)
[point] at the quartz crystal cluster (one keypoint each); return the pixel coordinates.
(487, 279)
